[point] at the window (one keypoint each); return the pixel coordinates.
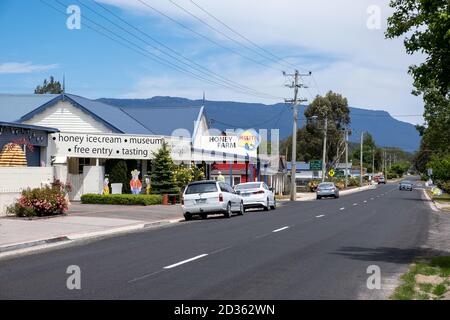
(201, 188)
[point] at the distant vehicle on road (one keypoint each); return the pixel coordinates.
(327, 189)
(405, 185)
(381, 180)
(202, 198)
(256, 195)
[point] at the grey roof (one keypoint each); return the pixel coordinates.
(27, 126)
(131, 120)
(14, 106)
(164, 120)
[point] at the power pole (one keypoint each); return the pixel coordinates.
(324, 154)
(373, 162)
(346, 158)
(295, 85)
(361, 161)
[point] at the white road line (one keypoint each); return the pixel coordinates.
(342, 208)
(355, 204)
(281, 229)
(185, 261)
(372, 199)
(365, 201)
(320, 216)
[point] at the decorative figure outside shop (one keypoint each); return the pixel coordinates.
(135, 183)
(147, 185)
(106, 186)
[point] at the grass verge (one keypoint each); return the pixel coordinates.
(427, 279)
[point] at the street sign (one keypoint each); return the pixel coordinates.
(331, 173)
(339, 173)
(315, 165)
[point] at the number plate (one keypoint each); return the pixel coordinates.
(200, 200)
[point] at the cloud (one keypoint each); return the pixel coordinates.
(330, 38)
(24, 67)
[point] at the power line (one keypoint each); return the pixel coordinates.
(274, 58)
(196, 66)
(149, 54)
(206, 37)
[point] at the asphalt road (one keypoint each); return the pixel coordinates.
(303, 250)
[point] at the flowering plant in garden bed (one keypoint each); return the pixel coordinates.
(45, 201)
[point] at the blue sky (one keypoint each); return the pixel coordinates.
(330, 38)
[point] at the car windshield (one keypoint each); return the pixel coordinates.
(248, 186)
(326, 185)
(201, 188)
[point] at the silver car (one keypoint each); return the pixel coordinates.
(327, 189)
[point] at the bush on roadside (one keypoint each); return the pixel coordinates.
(353, 182)
(122, 199)
(312, 185)
(40, 202)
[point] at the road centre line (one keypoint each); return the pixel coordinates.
(342, 208)
(185, 261)
(320, 216)
(280, 229)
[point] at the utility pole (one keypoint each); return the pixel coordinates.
(373, 162)
(295, 85)
(346, 157)
(361, 161)
(324, 154)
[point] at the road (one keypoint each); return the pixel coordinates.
(303, 250)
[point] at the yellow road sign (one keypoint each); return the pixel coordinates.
(331, 173)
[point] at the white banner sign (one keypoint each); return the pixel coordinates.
(119, 146)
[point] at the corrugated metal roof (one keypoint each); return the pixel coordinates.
(164, 120)
(300, 165)
(27, 126)
(14, 106)
(131, 120)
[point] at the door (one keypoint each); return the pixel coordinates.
(76, 181)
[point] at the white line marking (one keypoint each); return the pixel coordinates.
(355, 204)
(342, 208)
(365, 201)
(281, 229)
(185, 261)
(320, 216)
(372, 199)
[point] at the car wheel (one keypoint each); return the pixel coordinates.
(241, 210)
(274, 204)
(187, 216)
(267, 207)
(204, 215)
(228, 213)
(318, 197)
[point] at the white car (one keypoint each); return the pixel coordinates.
(256, 195)
(210, 197)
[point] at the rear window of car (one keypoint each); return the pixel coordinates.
(201, 188)
(326, 185)
(248, 186)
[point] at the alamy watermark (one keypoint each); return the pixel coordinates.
(373, 21)
(374, 280)
(74, 19)
(73, 282)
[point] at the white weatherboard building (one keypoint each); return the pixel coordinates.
(89, 134)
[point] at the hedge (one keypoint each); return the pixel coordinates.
(123, 199)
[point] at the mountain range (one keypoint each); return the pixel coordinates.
(386, 130)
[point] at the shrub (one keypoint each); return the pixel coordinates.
(445, 186)
(122, 199)
(119, 174)
(353, 182)
(312, 185)
(45, 201)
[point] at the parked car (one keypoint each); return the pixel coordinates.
(202, 198)
(381, 180)
(327, 189)
(256, 195)
(405, 185)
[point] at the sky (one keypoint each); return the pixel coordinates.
(145, 48)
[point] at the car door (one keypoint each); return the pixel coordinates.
(226, 193)
(269, 193)
(236, 198)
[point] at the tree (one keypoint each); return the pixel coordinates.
(119, 174)
(332, 106)
(426, 24)
(50, 86)
(163, 178)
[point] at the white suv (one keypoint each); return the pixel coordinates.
(256, 195)
(210, 197)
